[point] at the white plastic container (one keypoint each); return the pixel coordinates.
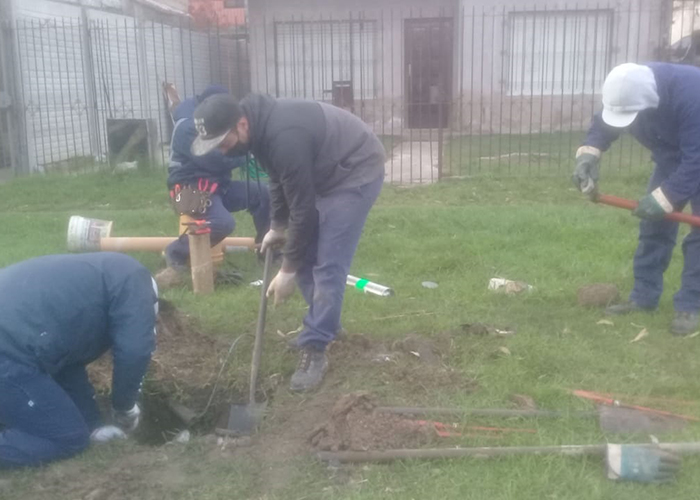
(509, 287)
(84, 234)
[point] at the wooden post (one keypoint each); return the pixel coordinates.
(201, 263)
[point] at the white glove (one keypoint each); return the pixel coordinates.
(107, 433)
(274, 238)
(281, 287)
(128, 420)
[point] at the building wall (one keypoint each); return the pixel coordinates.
(78, 67)
(508, 72)
(566, 50)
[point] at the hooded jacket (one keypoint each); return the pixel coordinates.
(308, 149)
(62, 310)
(671, 131)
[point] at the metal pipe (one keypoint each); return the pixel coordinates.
(491, 452)
(489, 412)
(368, 286)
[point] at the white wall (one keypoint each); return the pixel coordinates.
(73, 80)
(487, 59)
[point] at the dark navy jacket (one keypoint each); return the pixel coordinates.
(62, 310)
(671, 132)
(185, 168)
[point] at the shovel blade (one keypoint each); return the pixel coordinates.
(243, 420)
(627, 420)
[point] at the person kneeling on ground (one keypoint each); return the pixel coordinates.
(210, 173)
(59, 313)
(326, 170)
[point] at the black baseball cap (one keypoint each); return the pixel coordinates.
(214, 118)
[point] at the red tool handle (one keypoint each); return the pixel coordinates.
(615, 201)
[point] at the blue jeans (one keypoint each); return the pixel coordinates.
(656, 242)
(45, 418)
(321, 278)
(234, 199)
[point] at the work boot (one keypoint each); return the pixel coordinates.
(170, 277)
(624, 308)
(313, 365)
(293, 344)
(684, 323)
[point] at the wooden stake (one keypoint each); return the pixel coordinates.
(201, 263)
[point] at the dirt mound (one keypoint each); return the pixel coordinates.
(598, 295)
(420, 347)
(185, 361)
(179, 382)
(354, 425)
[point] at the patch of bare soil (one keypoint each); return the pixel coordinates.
(354, 425)
(331, 418)
(145, 474)
(183, 367)
(598, 295)
(180, 380)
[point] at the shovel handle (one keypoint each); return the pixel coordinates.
(615, 201)
(260, 329)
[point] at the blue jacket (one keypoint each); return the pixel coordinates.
(62, 310)
(671, 131)
(185, 168)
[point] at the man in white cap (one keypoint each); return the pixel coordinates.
(659, 104)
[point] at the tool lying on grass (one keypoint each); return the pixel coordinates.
(648, 463)
(244, 419)
(615, 201)
(607, 399)
(613, 419)
(452, 430)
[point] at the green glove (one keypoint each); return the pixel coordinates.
(586, 172)
(653, 206)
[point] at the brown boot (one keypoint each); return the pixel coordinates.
(169, 278)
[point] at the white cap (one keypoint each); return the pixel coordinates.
(628, 89)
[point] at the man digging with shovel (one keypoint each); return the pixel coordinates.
(326, 170)
(659, 104)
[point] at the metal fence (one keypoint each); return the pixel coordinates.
(92, 93)
(454, 92)
(464, 91)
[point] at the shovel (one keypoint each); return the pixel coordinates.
(615, 201)
(243, 420)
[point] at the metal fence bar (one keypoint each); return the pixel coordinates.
(529, 74)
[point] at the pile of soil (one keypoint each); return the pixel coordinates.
(185, 361)
(354, 425)
(178, 384)
(598, 295)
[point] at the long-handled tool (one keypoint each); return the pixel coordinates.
(244, 419)
(489, 452)
(612, 419)
(615, 201)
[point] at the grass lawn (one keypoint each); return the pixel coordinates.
(458, 234)
(537, 154)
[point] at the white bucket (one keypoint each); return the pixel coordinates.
(84, 234)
